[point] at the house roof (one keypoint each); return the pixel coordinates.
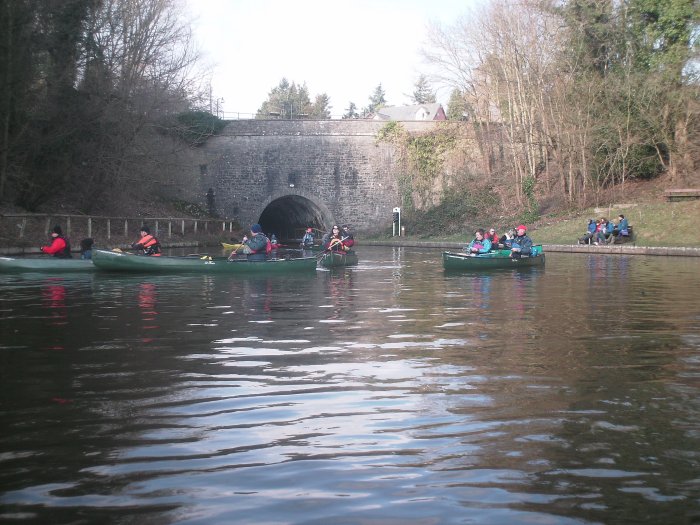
(414, 112)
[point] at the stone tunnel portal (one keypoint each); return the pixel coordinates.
(289, 216)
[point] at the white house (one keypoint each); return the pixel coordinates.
(415, 112)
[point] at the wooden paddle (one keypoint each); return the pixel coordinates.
(235, 252)
(329, 249)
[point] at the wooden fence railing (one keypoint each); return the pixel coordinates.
(108, 227)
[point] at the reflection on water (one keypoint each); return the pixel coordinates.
(386, 393)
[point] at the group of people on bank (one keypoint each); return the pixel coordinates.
(604, 231)
(515, 240)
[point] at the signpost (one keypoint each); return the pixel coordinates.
(396, 222)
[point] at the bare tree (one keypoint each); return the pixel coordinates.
(139, 68)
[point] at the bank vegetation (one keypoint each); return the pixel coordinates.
(561, 104)
(96, 99)
(568, 103)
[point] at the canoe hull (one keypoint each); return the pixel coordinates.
(124, 262)
(230, 247)
(338, 259)
(495, 261)
(46, 264)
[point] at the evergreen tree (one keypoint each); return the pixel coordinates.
(423, 93)
(321, 108)
(351, 111)
(663, 34)
(594, 33)
(376, 101)
(457, 106)
(288, 101)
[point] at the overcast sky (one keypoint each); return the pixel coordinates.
(343, 48)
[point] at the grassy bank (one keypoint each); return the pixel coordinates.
(656, 223)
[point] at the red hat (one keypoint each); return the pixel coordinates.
(521, 227)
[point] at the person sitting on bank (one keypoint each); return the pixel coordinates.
(479, 245)
(86, 248)
(59, 247)
(347, 237)
(307, 241)
(606, 233)
(258, 246)
(590, 232)
(599, 237)
(521, 246)
(335, 240)
(147, 243)
(622, 228)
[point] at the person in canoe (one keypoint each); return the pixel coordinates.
(479, 244)
(492, 236)
(86, 248)
(59, 246)
(335, 241)
(506, 239)
(147, 243)
(347, 237)
(521, 245)
(307, 241)
(257, 247)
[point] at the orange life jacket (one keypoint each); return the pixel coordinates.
(149, 241)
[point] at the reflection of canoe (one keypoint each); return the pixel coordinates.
(493, 260)
(335, 259)
(44, 264)
(125, 262)
(230, 247)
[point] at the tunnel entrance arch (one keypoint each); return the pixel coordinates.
(288, 216)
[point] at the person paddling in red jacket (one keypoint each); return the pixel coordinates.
(59, 247)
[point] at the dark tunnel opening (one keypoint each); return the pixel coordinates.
(288, 217)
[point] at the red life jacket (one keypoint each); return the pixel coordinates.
(60, 247)
(149, 241)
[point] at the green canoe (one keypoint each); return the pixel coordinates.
(44, 264)
(125, 262)
(499, 259)
(336, 259)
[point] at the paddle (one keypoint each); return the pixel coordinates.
(330, 247)
(235, 252)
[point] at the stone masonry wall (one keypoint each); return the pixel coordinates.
(336, 164)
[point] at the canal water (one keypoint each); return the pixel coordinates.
(388, 393)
